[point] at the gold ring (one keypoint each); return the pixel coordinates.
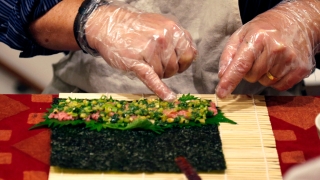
(271, 77)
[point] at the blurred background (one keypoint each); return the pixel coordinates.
(24, 75)
(32, 75)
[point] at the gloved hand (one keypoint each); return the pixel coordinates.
(147, 44)
(276, 48)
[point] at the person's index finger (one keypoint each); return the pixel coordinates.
(147, 75)
(236, 70)
(228, 53)
(228, 82)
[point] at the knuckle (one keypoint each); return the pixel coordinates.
(291, 57)
(278, 47)
(187, 56)
(242, 67)
(285, 85)
(263, 83)
(251, 78)
(171, 24)
(282, 86)
(299, 71)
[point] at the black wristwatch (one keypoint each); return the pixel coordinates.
(86, 8)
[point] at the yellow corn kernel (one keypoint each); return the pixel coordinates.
(170, 120)
(157, 105)
(126, 120)
(150, 100)
(120, 120)
(182, 120)
(142, 106)
(83, 115)
(107, 110)
(130, 119)
(94, 102)
(164, 118)
(74, 115)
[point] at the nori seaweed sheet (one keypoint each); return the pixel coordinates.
(136, 150)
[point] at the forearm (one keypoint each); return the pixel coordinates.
(54, 30)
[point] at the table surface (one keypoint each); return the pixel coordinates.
(24, 154)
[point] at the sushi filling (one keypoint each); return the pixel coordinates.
(108, 110)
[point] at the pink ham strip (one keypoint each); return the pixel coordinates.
(213, 108)
(61, 116)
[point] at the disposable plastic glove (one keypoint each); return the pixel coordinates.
(281, 41)
(149, 45)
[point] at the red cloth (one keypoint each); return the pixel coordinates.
(24, 154)
(293, 123)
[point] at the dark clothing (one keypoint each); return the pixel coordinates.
(15, 18)
(251, 8)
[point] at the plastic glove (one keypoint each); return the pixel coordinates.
(281, 41)
(147, 44)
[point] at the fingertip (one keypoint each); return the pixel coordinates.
(226, 86)
(164, 93)
(170, 97)
(147, 75)
(221, 93)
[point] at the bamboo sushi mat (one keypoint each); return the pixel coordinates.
(249, 147)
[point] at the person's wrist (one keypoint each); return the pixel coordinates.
(84, 12)
(103, 22)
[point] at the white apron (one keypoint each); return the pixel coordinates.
(210, 22)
